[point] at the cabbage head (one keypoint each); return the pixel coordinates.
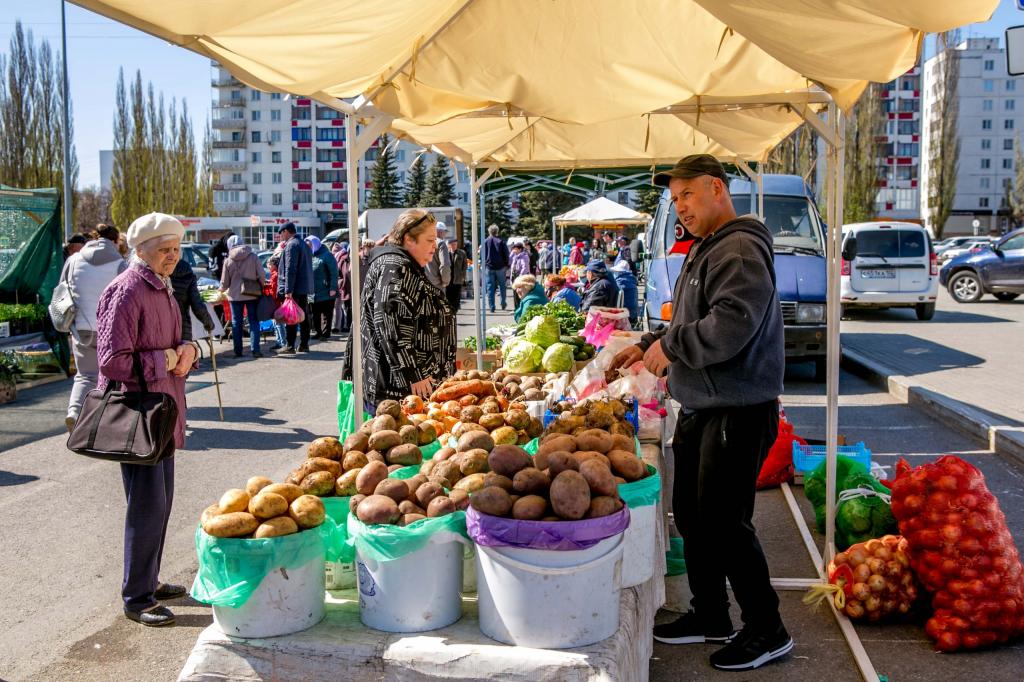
(522, 357)
(543, 330)
(559, 357)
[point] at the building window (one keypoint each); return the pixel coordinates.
(988, 85)
(275, 199)
(330, 176)
(275, 157)
(986, 124)
(984, 183)
(275, 114)
(275, 95)
(254, 95)
(331, 133)
(330, 155)
(1008, 143)
(1003, 202)
(275, 178)
(990, 64)
(463, 176)
(255, 200)
(236, 177)
(1011, 85)
(236, 95)
(275, 135)
(257, 157)
(907, 127)
(257, 178)
(907, 149)
(303, 197)
(1007, 182)
(329, 197)
(399, 155)
(1008, 164)
(986, 105)
(256, 136)
(1008, 124)
(255, 114)
(326, 113)
(983, 202)
(301, 113)
(986, 143)
(302, 175)
(301, 134)
(910, 105)
(302, 155)
(371, 155)
(986, 163)
(1009, 104)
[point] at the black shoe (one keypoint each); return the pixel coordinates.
(257, 354)
(753, 648)
(154, 617)
(689, 629)
(287, 350)
(303, 349)
(239, 355)
(167, 591)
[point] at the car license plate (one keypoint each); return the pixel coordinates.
(878, 274)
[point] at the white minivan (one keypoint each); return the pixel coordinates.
(889, 264)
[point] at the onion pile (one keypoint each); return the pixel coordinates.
(875, 579)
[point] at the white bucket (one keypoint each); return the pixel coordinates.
(288, 600)
(549, 599)
(421, 591)
(639, 544)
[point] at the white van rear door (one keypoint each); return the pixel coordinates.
(874, 269)
(914, 261)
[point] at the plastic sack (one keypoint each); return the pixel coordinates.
(337, 511)
(230, 569)
(289, 313)
(346, 411)
(588, 383)
(635, 382)
(384, 542)
(849, 474)
(642, 493)
(778, 465)
(430, 449)
(405, 473)
(497, 531)
(651, 422)
(675, 561)
(862, 514)
(601, 322)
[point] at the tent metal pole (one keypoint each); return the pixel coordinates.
(745, 167)
(66, 113)
(352, 156)
(760, 193)
(474, 225)
(554, 247)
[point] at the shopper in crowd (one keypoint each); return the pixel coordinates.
(138, 318)
(186, 293)
(75, 243)
(545, 257)
(566, 252)
(460, 265)
(407, 328)
(219, 254)
(242, 279)
(530, 293)
(519, 265)
(87, 273)
(122, 247)
(343, 304)
(439, 269)
(600, 289)
(725, 356)
(496, 260)
(625, 255)
(557, 289)
(273, 264)
(625, 281)
(364, 257)
(531, 251)
(295, 282)
(325, 288)
(597, 251)
(576, 256)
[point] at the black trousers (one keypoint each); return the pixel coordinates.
(453, 292)
(301, 329)
(718, 454)
(149, 491)
(323, 316)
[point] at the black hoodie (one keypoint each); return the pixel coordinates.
(725, 338)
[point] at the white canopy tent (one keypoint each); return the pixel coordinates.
(600, 211)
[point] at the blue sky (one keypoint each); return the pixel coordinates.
(98, 47)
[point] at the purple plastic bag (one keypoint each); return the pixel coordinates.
(496, 531)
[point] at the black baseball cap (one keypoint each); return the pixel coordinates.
(287, 226)
(693, 166)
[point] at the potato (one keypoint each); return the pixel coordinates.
(570, 495)
(235, 524)
(504, 435)
(395, 488)
(256, 484)
(286, 490)
(428, 466)
(426, 492)
(377, 509)
(318, 483)
(406, 519)
(403, 420)
(429, 431)
(384, 440)
(559, 443)
(603, 506)
(268, 505)
(517, 419)
(327, 447)
(529, 508)
(473, 462)
(276, 527)
(390, 408)
(489, 407)
(535, 427)
(619, 480)
(622, 427)
(366, 427)
(392, 468)
(356, 441)
(409, 434)
(491, 421)
(446, 473)
(354, 459)
(599, 478)
(530, 481)
(435, 413)
(507, 460)
(498, 480)
(471, 483)
(369, 476)
(384, 422)
(234, 500)
(491, 500)
(597, 440)
(462, 428)
(452, 408)
(440, 506)
(444, 453)
(405, 454)
(471, 414)
(209, 513)
(540, 461)
(475, 440)
(468, 400)
(354, 501)
(627, 465)
(415, 482)
(582, 456)
(321, 464)
(621, 442)
(417, 419)
(561, 461)
(460, 498)
(375, 456)
(412, 404)
(410, 507)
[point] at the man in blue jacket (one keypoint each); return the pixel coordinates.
(725, 356)
(295, 282)
(496, 260)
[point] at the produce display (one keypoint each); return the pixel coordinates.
(873, 580)
(962, 552)
(263, 510)
(519, 387)
(401, 502)
(859, 516)
(490, 342)
(546, 342)
(569, 320)
(608, 414)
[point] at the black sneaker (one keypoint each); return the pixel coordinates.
(751, 649)
(689, 629)
(287, 350)
(304, 348)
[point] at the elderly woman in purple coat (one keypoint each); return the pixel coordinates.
(138, 315)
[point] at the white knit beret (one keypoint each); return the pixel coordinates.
(153, 225)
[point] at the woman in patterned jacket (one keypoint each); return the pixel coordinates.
(407, 328)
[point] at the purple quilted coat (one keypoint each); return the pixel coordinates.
(137, 313)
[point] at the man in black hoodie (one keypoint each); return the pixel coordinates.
(725, 356)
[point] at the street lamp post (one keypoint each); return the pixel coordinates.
(66, 137)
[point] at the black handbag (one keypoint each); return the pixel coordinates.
(251, 287)
(130, 427)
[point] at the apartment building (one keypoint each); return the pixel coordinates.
(899, 149)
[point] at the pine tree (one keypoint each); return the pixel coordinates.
(415, 183)
(440, 189)
(647, 200)
(536, 209)
(385, 192)
(498, 212)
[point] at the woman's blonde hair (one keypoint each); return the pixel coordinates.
(411, 223)
(524, 282)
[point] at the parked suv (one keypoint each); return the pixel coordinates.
(889, 265)
(996, 269)
(799, 240)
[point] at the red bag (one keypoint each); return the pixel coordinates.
(962, 552)
(778, 465)
(289, 313)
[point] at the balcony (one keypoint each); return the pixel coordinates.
(229, 185)
(229, 123)
(228, 103)
(221, 81)
(229, 144)
(228, 165)
(223, 207)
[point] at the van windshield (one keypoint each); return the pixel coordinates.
(888, 243)
(792, 221)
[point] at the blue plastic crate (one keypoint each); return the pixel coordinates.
(807, 457)
(632, 414)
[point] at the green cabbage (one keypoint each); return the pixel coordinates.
(522, 357)
(559, 357)
(543, 330)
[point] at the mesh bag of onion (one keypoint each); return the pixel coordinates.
(962, 552)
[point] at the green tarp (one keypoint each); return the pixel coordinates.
(31, 244)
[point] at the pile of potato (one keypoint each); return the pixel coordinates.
(524, 387)
(263, 510)
(394, 501)
(608, 414)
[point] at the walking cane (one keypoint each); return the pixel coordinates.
(216, 379)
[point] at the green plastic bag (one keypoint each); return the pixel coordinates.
(337, 511)
(675, 562)
(230, 569)
(384, 542)
(405, 473)
(863, 514)
(346, 410)
(430, 449)
(642, 493)
(849, 474)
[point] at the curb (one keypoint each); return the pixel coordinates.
(1007, 441)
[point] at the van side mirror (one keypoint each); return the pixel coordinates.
(850, 249)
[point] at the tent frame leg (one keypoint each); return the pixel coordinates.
(475, 186)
